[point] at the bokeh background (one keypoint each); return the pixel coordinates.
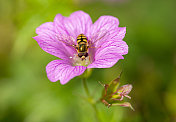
(26, 95)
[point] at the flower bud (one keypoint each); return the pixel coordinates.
(113, 95)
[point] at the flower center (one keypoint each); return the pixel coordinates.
(77, 61)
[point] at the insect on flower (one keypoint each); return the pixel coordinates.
(81, 44)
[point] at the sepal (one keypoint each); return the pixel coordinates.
(113, 95)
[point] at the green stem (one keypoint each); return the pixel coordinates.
(90, 99)
(85, 87)
(96, 112)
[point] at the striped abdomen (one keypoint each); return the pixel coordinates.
(82, 44)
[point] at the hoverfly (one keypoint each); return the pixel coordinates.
(82, 46)
(82, 43)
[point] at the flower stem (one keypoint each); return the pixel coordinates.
(90, 99)
(85, 87)
(96, 112)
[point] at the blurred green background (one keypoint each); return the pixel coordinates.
(26, 95)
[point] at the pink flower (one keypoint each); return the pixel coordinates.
(104, 36)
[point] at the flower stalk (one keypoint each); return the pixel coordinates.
(85, 87)
(90, 99)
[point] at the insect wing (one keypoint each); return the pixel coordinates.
(68, 40)
(99, 38)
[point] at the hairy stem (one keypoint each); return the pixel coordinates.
(90, 99)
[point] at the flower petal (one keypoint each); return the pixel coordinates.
(120, 33)
(105, 29)
(79, 22)
(63, 71)
(105, 24)
(125, 89)
(48, 42)
(108, 54)
(46, 27)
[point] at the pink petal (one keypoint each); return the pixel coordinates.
(108, 54)
(120, 33)
(63, 71)
(44, 28)
(125, 89)
(79, 22)
(59, 25)
(107, 25)
(48, 42)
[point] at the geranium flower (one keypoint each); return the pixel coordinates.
(104, 36)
